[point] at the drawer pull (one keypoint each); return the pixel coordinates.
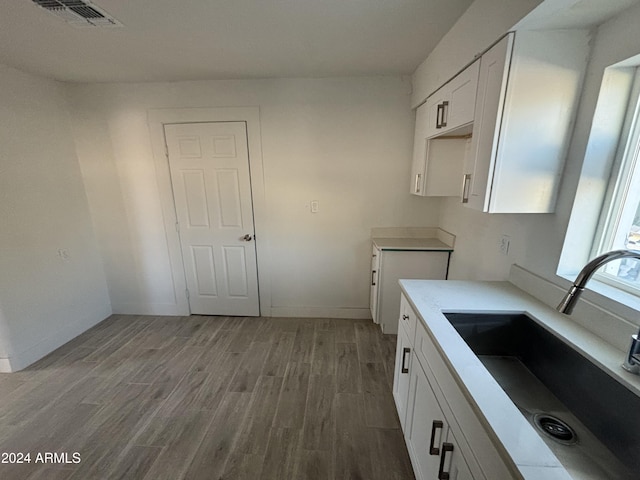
(405, 350)
(446, 447)
(433, 450)
(405, 317)
(373, 278)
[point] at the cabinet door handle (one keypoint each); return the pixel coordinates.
(446, 447)
(373, 277)
(405, 350)
(439, 115)
(466, 179)
(418, 177)
(433, 450)
(405, 317)
(445, 114)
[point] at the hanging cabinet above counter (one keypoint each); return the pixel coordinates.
(453, 105)
(442, 132)
(524, 104)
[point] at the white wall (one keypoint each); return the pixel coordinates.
(45, 300)
(537, 240)
(344, 142)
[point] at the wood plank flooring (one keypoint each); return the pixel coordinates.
(209, 398)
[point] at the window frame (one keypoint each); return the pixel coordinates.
(625, 172)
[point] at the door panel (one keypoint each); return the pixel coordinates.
(209, 165)
(196, 196)
(236, 267)
(204, 267)
(229, 200)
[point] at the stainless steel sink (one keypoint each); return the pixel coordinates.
(589, 420)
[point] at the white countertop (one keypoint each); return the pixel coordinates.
(430, 298)
(423, 244)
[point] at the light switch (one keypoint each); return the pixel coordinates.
(314, 206)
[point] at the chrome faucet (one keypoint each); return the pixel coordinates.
(632, 360)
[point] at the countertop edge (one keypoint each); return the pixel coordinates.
(411, 244)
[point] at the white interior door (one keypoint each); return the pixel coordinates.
(209, 164)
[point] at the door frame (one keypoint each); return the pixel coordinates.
(157, 119)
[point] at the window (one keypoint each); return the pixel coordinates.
(620, 218)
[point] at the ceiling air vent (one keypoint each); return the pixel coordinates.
(79, 13)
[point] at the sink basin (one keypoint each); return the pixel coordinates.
(587, 418)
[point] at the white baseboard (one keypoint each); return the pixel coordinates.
(320, 312)
(5, 365)
(170, 309)
(45, 346)
(303, 312)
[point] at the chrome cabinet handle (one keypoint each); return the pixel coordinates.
(446, 447)
(418, 177)
(445, 114)
(405, 369)
(466, 178)
(247, 238)
(433, 450)
(439, 115)
(373, 275)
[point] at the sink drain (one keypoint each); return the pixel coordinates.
(555, 428)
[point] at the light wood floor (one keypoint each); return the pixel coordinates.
(209, 398)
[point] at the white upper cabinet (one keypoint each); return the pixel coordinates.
(437, 162)
(441, 140)
(528, 90)
(452, 106)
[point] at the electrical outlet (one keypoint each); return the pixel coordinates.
(505, 242)
(314, 206)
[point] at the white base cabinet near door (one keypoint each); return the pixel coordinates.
(389, 266)
(445, 439)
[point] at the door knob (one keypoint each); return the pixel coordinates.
(247, 238)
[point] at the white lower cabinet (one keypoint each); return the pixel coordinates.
(427, 429)
(433, 448)
(444, 437)
(401, 377)
(389, 266)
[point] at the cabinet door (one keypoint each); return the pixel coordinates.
(375, 273)
(419, 150)
(437, 162)
(408, 264)
(452, 464)
(408, 319)
(401, 377)
(461, 98)
(492, 83)
(435, 108)
(426, 428)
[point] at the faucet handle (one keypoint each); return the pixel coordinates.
(632, 362)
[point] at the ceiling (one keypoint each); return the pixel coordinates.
(172, 40)
(558, 14)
